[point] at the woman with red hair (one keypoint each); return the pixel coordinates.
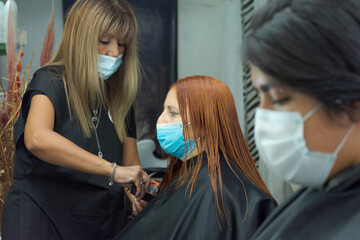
(211, 189)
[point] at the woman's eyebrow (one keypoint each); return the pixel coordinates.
(170, 107)
(267, 86)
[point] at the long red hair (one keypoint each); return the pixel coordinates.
(208, 104)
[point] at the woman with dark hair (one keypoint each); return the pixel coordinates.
(305, 63)
(76, 134)
(211, 189)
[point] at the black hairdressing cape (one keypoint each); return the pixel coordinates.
(331, 212)
(176, 215)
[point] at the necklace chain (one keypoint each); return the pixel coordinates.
(95, 123)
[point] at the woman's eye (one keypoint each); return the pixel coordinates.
(104, 42)
(173, 114)
(281, 101)
(121, 45)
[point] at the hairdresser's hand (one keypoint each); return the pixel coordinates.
(144, 185)
(138, 206)
(147, 180)
(132, 175)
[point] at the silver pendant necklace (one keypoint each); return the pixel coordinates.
(95, 119)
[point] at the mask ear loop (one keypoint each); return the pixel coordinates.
(186, 124)
(343, 141)
(312, 111)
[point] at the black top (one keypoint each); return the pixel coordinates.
(176, 215)
(331, 212)
(51, 202)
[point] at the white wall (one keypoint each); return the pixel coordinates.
(33, 16)
(209, 38)
(199, 39)
(209, 42)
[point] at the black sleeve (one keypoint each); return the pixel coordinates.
(131, 123)
(46, 81)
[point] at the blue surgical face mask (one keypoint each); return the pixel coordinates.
(108, 65)
(170, 136)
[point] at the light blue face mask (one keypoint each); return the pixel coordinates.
(170, 136)
(279, 137)
(108, 65)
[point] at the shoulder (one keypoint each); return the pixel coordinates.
(236, 185)
(47, 80)
(47, 75)
(315, 208)
(233, 181)
(54, 72)
(231, 176)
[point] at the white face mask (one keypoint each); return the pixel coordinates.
(108, 65)
(279, 137)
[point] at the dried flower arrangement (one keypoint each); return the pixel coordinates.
(10, 104)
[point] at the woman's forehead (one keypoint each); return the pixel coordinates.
(260, 78)
(171, 97)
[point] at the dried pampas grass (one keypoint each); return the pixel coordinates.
(49, 41)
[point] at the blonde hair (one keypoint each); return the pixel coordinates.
(87, 21)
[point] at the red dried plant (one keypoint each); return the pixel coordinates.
(9, 110)
(11, 54)
(10, 104)
(49, 41)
